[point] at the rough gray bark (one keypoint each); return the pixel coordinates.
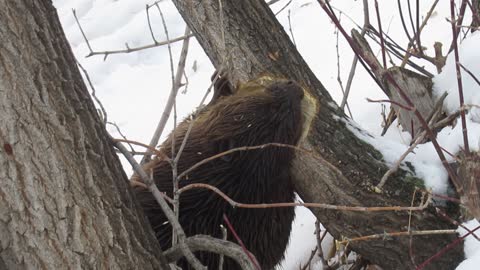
(346, 168)
(64, 199)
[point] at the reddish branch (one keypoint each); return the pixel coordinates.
(393, 234)
(423, 204)
(459, 74)
(391, 101)
(445, 249)
(382, 44)
(240, 242)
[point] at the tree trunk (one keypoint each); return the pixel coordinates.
(64, 199)
(345, 168)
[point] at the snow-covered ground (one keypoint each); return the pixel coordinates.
(134, 87)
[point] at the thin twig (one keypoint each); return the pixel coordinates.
(411, 18)
(398, 52)
(382, 44)
(128, 49)
(459, 77)
(123, 136)
(339, 79)
(163, 156)
(224, 237)
(424, 204)
(309, 261)
(437, 109)
(458, 22)
(147, 10)
(416, 37)
(400, 11)
(148, 181)
(405, 107)
(410, 240)
(394, 234)
(209, 244)
(284, 7)
(237, 149)
(240, 242)
(192, 120)
(148, 147)
(418, 30)
(319, 239)
(140, 48)
(397, 163)
(454, 222)
(445, 249)
(470, 73)
(366, 24)
(175, 178)
(369, 71)
(271, 2)
(290, 28)
(444, 197)
(81, 30)
(104, 112)
(176, 83)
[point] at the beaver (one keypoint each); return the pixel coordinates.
(265, 110)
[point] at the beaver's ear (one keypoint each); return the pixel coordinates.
(225, 145)
(221, 88)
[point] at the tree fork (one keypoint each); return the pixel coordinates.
(249, 41)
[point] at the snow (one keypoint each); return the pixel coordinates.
(468, 55)
(301, 246)
(472, 247)
(134, 87)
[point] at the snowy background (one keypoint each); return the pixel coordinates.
(134, 87)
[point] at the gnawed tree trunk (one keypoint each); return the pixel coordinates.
(469, 173)
(346, 168)
(64, 199)
(418, 88)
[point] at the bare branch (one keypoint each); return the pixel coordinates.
(470, 73)
(339, 79)
(366, 25)
(459, 75)
(445, 249)
(136, 49)
(424, 204)
(382, 44)
(239, 240)
(128, 49)
(148, 181)
(405, 107)
(210, 244)
(176, 83)
(397, 163)
(394, 234)
(104, 112)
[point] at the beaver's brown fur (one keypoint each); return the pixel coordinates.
(262, 111)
